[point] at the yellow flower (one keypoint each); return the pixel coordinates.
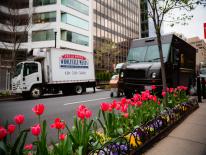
(103, 138)
(133, 142)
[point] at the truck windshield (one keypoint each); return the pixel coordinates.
(147, 53)
(203, 71)
(18, 69)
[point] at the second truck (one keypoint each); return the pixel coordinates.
(53, 70)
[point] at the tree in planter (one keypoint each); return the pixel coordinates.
(157, 11)
(17, 23)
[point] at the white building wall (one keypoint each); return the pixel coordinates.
(58, 25)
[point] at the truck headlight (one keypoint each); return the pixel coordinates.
(154, 75)
(122, 74)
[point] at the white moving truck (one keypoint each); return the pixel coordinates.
(53, 70)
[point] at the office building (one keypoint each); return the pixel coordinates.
(116, 22)
(39, 24)
(201, 50)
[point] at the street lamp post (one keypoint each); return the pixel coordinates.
(55, 38)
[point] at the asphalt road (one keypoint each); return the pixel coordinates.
(63, 107)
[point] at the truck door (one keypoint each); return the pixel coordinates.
(176, 66)
(31, 75)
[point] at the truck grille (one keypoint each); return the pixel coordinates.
(136, 74)
(14, 87)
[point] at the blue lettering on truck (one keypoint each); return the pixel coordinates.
(73, 61)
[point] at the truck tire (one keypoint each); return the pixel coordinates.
(36, 92)
(78, 89)
(128, 94)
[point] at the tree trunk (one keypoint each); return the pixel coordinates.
(159, 41)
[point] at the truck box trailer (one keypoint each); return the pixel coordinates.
(53, 70)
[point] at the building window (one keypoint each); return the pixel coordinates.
(74, 21)
(43, 35)
(74, 4)
(43, 2)
(74, 37)
(44, 17)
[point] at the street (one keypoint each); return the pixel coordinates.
(63, 107)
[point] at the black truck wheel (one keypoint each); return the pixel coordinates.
(128, 94)
(78, 89)
(36, 92)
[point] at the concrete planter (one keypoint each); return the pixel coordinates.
(143, 137)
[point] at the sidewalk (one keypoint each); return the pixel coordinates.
(189, 138)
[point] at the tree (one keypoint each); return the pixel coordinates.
(16, 25)
(157, 11)
(105, 52)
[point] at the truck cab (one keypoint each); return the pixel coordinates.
(26, 78)
(143, 67)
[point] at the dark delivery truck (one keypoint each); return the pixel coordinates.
(143, 67)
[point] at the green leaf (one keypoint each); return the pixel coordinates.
(80, 150)
(2, 147)
(17, 142)
(21, 148)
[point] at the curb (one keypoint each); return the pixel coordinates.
(2, 99)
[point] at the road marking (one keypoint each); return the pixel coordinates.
(87, 101)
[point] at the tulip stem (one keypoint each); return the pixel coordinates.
(39, 120)
(19, 128)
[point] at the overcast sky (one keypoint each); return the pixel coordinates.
(195, 27)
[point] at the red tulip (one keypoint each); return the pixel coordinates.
(3, 133)
(163, 93)
(88, 113)
(58, 124)
(36, 130)
(81, 114)
(104, 106)
(19, 119)
(126, 115)
(124, 108)
(38, 109)
(11, 128)
(155, 98)
(123, 101)
(62, 136)
(153, 87)
(81, 107)
(139, 103)
(28, 147)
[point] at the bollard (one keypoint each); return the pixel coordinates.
(199, 90)
(203, 88)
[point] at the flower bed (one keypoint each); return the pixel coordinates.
(126, 127)
(147, 134)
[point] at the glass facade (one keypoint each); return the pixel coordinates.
(75, 4)
(43, 2)
(144, 19)
(116, 22)
(43, 35)
(44, 17)
(74, 37)
(74, 21)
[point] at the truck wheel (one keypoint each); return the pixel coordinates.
(36, 92)
(128, 94)
(78, 89)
